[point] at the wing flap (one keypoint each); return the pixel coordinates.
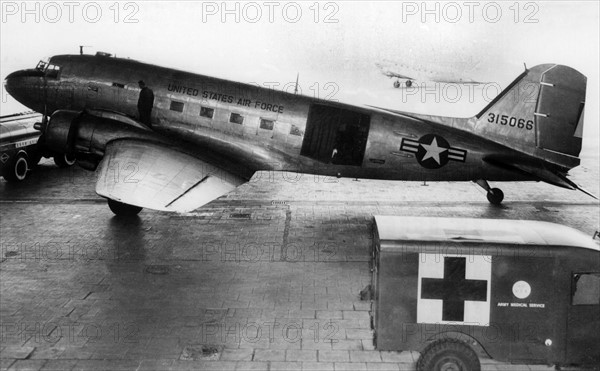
(158, 177)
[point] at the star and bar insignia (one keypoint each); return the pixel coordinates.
(433, 151)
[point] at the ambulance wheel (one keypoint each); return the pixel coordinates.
(64, 160)
(396, 84)
(448, 355)
(17, 170)
(495, 196)
(122, 209)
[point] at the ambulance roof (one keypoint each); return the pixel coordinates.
(481, 231)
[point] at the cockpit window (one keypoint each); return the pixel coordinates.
(52, 70)
(41, 66)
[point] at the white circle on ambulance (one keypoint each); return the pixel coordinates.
(521, 289)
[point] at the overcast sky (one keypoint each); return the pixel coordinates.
(327, 42)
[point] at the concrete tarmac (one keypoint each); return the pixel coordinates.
(265, 278)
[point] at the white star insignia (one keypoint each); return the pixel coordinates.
(433, 151)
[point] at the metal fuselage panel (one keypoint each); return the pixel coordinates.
(391, 151)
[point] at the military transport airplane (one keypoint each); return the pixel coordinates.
(205, 136)
(410, 75)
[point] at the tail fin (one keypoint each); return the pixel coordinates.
(540, 113)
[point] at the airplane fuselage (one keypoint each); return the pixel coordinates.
(265, 129)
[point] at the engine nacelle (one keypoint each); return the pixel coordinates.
(57, 130)
(86, 134)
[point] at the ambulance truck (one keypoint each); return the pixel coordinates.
(19, 148)
(457, 289)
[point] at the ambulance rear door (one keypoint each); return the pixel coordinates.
(583, 325)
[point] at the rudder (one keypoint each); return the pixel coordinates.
(559, 112)
(540, 113)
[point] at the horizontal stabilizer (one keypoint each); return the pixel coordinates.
(551, 177)
(158, 177)
(577, 187)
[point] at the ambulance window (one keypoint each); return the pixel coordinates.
(207, 112)
(236, 118)
(586, 288)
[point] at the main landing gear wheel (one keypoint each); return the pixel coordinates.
(122, 209)
(17, 170)
(448, 355)
(495, 196)
(396, 84)
(64, 160)
(408, 83)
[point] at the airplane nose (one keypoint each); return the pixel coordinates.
(25, 73)
(19, 78)
(9, 83)
(23, 85)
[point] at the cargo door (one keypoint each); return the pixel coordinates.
(335, 136)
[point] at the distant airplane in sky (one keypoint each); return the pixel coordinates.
(410, 75)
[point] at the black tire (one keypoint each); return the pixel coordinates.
(396, 84)
(17, 169)
(448, 355)
(408, 83)
(495, 196)
(34, 158)
(64, 160)
(122, 209)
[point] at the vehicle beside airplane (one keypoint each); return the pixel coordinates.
(19, 150)
(460, 289)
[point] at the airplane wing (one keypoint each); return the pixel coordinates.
(391, 74)
(396, 75)
(459, 81)
(139, 167)
(154, 176)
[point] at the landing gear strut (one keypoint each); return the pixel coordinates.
(494, 195)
